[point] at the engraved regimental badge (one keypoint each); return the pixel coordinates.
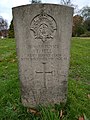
(43, 27)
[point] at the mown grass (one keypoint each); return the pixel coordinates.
(78, 102)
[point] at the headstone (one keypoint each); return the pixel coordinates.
(43, 33)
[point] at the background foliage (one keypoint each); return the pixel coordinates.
(11, 30)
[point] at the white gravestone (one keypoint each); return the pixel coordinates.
(43, 33)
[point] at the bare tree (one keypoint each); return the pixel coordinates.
(3, 27)
(69, 3)
(66, 2)
(35, 1)
(85, 12)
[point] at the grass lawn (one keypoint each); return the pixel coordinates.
(78, 102)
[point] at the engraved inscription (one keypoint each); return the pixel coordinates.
(43, 27)
(46, 57)
(44, 73)
(45, 52)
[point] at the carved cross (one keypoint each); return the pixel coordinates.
(44, 72)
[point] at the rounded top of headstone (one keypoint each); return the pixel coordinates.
(44, 4)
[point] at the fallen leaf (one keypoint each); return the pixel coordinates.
(89, 96)
(14, 107)
(81, 118)
(61, 114)
(13, 60)
(33, 111)
(53, 110)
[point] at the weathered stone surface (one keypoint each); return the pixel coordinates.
(43, 33)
